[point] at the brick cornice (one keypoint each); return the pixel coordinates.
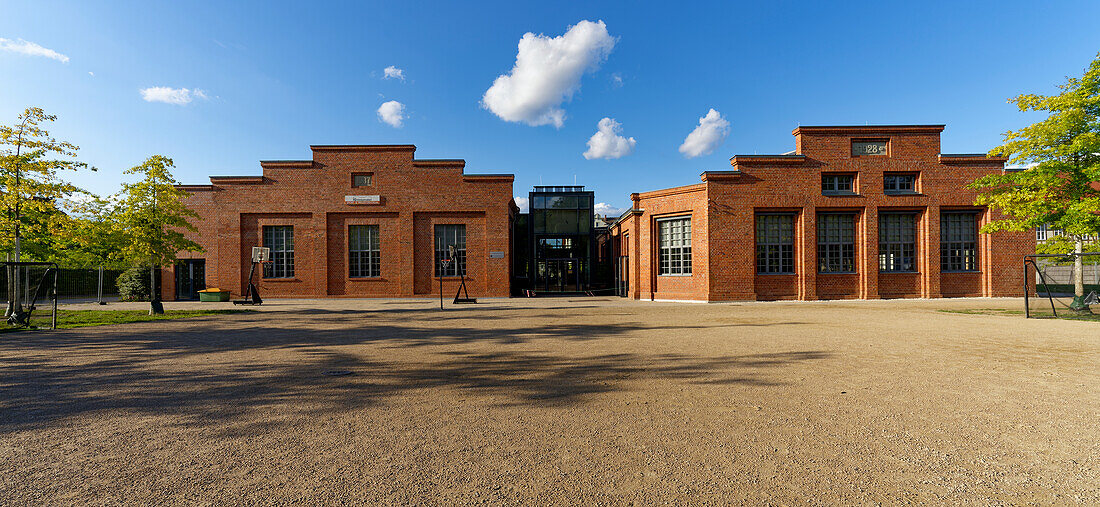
(286, 164)
(362, 147)
(441, 162)
(673, 191)
(720, 175)
(489, 177)
(867, 129)
(970, 158)
(239, 180)
(195, 188)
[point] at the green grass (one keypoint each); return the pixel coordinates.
(67, 319)
(1066, 314)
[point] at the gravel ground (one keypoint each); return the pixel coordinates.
(556, 401)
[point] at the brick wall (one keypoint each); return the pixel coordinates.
(309, 195)
(724, 209)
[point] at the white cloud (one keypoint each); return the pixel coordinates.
(90, 73)
(392, 72)
(522, 203)
(617, 80)
(28, 48)
(547, 73)
(710, 133)
(168, 95)
(602, 208)
(607, 143)
(392, 113)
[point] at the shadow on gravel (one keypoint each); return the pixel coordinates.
(49, 376)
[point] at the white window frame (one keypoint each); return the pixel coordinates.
(674, 252)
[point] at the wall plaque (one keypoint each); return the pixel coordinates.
(363, 199)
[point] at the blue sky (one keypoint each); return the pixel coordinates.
(276, 77)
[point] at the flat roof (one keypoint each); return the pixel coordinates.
(856, 129)
(362, 147)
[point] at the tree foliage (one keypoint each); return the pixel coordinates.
(32, 190)
(1063, 151)
(149, 216)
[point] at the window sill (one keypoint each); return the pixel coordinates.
(898, 272)
(773, 274)
(841, 194)
(962, 272)
(903, 193)
(674, 274)
(838, 272)
(366, 278)
(280, 280)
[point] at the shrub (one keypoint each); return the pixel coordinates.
(133, 285)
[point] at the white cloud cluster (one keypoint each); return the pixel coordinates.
(602, 208)
(522, 203)
(30, 49)
(168, 95)
(608, 143)
(547, 73)
(710, 133)
(392, 113)
(392, 72)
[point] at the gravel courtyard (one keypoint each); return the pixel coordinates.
(568, 400)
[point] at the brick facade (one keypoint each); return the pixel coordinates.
(724, 208)
(412, 197)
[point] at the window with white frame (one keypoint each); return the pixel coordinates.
(364, 249)
(674, 244)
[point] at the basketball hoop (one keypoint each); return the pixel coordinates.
(261, 254)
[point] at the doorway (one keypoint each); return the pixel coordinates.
(190, 278)
(559, 275)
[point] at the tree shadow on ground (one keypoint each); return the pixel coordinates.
(218, 371)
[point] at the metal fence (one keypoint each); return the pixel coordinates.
(73, 283)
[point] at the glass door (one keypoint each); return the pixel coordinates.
(559, 275)
(190, 278)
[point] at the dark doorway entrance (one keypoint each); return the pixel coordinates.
(190, 278)
(623, 275)
(558, 275)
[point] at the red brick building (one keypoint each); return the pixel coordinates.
(853, 212)
(355, 221)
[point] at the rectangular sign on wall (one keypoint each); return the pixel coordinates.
(363, 199)
(496, 255)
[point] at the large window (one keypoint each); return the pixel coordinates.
(775, 244)
(364, 249)
(897, 242)
(280, 239)
(837, 184)
(674, 243)
(836, 243)
(445, 237)
(959, 242)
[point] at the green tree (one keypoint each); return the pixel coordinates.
(151, 218)
(1059, 188)
(89, 237)
(31, 185)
